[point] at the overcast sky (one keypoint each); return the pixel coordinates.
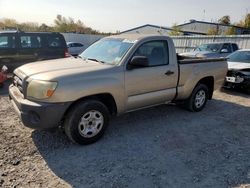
(113, 15)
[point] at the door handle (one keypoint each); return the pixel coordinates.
(168, 73)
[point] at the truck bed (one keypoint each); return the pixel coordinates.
(191, 70)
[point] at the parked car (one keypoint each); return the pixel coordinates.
(213, 50)
(75, 48)
(18, 48)
(115, 75)
(239, 70)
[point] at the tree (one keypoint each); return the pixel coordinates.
(241, 23)
(247, 21)
(230, 31)
(175, 30)
(45, 28)
(1, 25)
(29, 26)
(213, 31)
(225, 20)
(8, 23)
(244, 22)
(63, 24)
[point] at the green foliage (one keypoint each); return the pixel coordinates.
(8, 23)
(247, 21)
(61, 24)
(241, 23)
(44, 28)
(230, 31)
(29, 26)
(213, 31)
(175, 31)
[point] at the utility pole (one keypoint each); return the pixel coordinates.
(204, 15)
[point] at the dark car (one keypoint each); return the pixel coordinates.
(238, 75)
(213, 50)
(18, 48)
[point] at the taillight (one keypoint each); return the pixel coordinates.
(66, 53)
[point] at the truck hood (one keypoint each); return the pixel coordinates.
(51, 69)
(238, 65)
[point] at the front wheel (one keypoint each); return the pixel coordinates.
(86, 122)
(198, 99)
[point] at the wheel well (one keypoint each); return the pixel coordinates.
(209, 82)
(106, 98)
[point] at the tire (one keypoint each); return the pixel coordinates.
(199, 93)
(248, 90)
(86, 122)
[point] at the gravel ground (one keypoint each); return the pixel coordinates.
(159, 147)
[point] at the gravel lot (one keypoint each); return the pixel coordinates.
(159, 147)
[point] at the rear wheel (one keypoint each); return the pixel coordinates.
(198, 99)
(86, 122)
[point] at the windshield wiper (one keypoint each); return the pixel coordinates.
(96, 60)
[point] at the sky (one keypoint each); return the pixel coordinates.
(120, 15)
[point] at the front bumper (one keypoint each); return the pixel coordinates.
(3, 77)
(233, 81)
(37, 115)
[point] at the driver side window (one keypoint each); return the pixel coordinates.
(156, 52)
(227, 47)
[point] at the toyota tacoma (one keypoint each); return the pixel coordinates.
(116, 75)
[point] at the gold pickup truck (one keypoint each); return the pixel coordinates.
(115, 75)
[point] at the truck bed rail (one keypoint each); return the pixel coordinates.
(190, 60)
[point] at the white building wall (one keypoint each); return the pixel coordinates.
(85, 39)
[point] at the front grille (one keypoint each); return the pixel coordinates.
(18, 82)
(232, 73)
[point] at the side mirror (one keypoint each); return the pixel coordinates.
(224, 51)
(138, 61)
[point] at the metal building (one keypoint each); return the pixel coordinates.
(204, 27)
(154, 29)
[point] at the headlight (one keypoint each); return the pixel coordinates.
(39, 89)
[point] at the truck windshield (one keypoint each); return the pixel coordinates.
(109, 51)
(209, 47)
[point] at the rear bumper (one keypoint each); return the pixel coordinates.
(37, 115)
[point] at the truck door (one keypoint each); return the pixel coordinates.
(154, 84)
(8, 51)
(30, 46)
(226, 50)
(56, 47)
